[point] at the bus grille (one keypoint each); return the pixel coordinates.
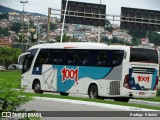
(143, 70)
(115, 88)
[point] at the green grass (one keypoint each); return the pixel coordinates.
(13, 77)
(156, 99)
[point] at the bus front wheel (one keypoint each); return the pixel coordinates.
(37, 87)
(93, 91)
(64, 94)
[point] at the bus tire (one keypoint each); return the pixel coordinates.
(93, 91)
(37, 87)
(121, 99)
(64, 94)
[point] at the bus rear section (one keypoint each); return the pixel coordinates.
(141, 80)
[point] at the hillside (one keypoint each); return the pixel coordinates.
(4, 10)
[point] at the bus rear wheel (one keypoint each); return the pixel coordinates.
(93, 91)
(37, 87)
(64, 94)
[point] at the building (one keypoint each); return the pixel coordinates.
(5, 42)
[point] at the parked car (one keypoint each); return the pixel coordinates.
(15, 67)
(2, 68)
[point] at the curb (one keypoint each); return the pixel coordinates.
(104, 105)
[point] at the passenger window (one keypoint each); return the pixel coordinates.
(70, 57)
(117, 57)
(83, 58)
(101, 58)
(42, 57)
(58, 57)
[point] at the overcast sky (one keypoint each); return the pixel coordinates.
(112, 6)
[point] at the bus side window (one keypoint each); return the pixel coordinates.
(58, 57)
(83, 58)
(42, 57)
(50, 57)
(70, 57)
(101, 59)
(117, 57)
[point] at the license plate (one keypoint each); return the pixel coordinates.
(141, 93)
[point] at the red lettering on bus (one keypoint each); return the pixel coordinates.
(69, 74)
(143, 78)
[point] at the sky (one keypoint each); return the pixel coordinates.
(112, 6)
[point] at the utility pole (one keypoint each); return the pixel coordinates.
(99, 31)
(48, 31)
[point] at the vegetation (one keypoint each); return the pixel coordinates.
(11, 99)
(4, 32)
(65, 38)
(9, 55)
(108, 26)
(154, 37)
(16, 27)
(158, 94)
(4, 16)
(13, 77)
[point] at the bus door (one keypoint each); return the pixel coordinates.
(26, 70)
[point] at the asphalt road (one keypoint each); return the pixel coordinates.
(63, 107)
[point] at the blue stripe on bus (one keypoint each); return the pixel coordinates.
(95, 73)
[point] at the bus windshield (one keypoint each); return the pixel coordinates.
(144, 55)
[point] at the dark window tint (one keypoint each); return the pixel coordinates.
(143, 55)
(28, 60)
(58, 57)
(83, 58)
(70, 57)
(109, 58)
(42, 57)
(100, 58)
(49, 56)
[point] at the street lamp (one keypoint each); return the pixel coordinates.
(23, 2)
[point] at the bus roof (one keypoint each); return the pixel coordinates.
(79, 45)
(84, 45)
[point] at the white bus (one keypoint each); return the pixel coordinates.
(94, 69)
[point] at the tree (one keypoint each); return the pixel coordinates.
(4, 32)
(108, 26)
(9, 55)
(106, 40)
(16, 27)
(4, 16)
(114, 40)
(154, 38)
(65, 38)
(52, 26)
